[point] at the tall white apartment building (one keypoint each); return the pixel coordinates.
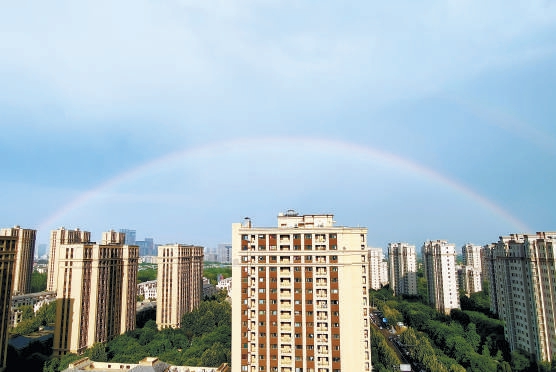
(57, 238)
(524, 291)
(402, 274)
(376, 266)
(300, 300)
(469, 279)
(96, 294)
(179, 283)
(25, 252)
(439, 261)
(473, 256)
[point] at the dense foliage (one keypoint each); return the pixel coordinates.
(38, 282)
(146, 274)
(211, 273)
(203, 340)
(383, 356)
(32, 322)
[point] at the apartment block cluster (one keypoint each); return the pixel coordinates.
(301, 290)
(94, 285)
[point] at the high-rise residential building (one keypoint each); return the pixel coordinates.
(179, 283)
(402, 274)
(290, 310)
(473, 256)
(224, 252)
(146, 247)
(25, 252)
(376, 259)
(130, 236)
(469, 279)
(439, 260)
(57, 238)
(96, 294)
(524, 293)
(488, 272)
(7, 267)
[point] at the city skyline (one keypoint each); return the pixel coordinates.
(427, 121)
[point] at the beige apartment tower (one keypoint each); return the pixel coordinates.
(57, 238)
(402, 272)
(7, 267)
(523, 281)
(300, 297)
(96, 294)
(179, 283)
(25, 251)
(439, 261)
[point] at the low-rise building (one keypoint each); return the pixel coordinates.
(36, 300)
(147, 290)
(149, 364)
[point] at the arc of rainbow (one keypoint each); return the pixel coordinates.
(352, 148)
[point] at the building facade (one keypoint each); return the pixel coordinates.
(147, 290)
(25, 253)
(130, 237)
(7, 267)
(439, 262)
(96, 294)
(524, 291)
(472, 255)
(57, 238)
(402, 273)
(179, 281)
(300, 299)
(469, 280)
(376, 259)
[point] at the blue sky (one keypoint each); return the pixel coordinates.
(428, 120)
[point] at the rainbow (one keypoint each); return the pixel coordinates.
(222, 147)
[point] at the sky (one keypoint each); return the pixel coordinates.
(418, 120)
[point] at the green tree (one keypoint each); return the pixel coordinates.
(38, 282)
(47, 313)
(472, 337)
(27, 312)
(519, 362)
(98, 352)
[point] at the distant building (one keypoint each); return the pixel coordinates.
(300, 300)
(439, 259)
(7, 267)
(36, 300)
(147, 290)
(469, 280)
(224, 253)
(148, 259)
(180, 283)
(146, 247)
(96, 294)
(42, 251)
(522, 269)
(376, 259)
(57, 238)
(25, 252)
(129, 236)
(402, 260)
